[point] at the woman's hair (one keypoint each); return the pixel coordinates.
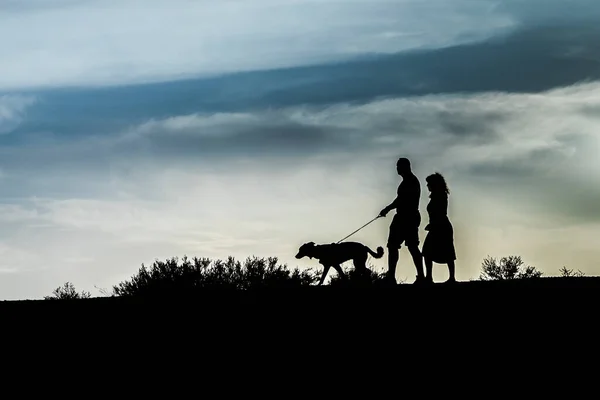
(438, 183)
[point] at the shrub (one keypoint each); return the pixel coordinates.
(170, 276)
(511, 267)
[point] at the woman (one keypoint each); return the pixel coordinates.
(439, 243)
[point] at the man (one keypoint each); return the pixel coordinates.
(405, 225)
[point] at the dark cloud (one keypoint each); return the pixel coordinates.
(176, 141)
(476, 126)
(283, 139)
(530, 60)
(592, 111)
(541, 12)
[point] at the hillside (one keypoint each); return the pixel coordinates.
(483, 300)
(275, 330)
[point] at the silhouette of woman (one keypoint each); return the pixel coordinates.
(439, 243)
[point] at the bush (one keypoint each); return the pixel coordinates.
(67, 292)
(568, 273)
(510, 267)
(167, 277)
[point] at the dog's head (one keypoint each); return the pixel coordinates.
(305, 250)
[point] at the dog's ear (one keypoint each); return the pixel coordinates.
(310, 244)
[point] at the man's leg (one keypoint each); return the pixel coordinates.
(412, 242)
(393, 246)
(393, 255)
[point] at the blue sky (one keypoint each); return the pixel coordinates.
(132, 130)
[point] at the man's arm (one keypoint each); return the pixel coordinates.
(390, 207)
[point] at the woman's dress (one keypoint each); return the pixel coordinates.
(439, 243)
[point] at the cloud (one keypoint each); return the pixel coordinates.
(493, 136)
(129, 41)
(545, 58)
(520, 129)
(12, 111)
(521, 169)
(192, 39)
(543, 12)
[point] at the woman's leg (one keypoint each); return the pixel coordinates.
(428, 270)
(451, 271)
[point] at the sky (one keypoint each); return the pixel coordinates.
(132, 131)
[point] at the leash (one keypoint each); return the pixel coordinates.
(379, 216)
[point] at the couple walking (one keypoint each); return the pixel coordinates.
(439, 243)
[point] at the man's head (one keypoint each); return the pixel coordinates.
(403, 166)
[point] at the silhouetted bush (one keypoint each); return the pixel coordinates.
(569, 273)
(67, 292)
(510, 267)
(167, 277)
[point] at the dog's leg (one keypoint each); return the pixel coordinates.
(360, 264)
(360, 267)
(340, 271)
(324, 274)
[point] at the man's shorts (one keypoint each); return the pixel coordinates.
(405, 230)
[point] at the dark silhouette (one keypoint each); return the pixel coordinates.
(167, 278)
(405, 225)
(334, 254)
(439, 243)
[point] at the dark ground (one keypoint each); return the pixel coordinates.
(542, 299)
(468, 327)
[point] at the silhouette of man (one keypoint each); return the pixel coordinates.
(405, 225)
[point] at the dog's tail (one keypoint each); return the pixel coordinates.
(379, 253)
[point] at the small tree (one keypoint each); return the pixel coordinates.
(568, 273)
(67, 292)
(510, 267)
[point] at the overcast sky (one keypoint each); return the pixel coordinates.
(134, 130)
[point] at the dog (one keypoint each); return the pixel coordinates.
(334, 254)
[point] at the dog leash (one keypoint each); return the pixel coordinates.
(379, 216)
